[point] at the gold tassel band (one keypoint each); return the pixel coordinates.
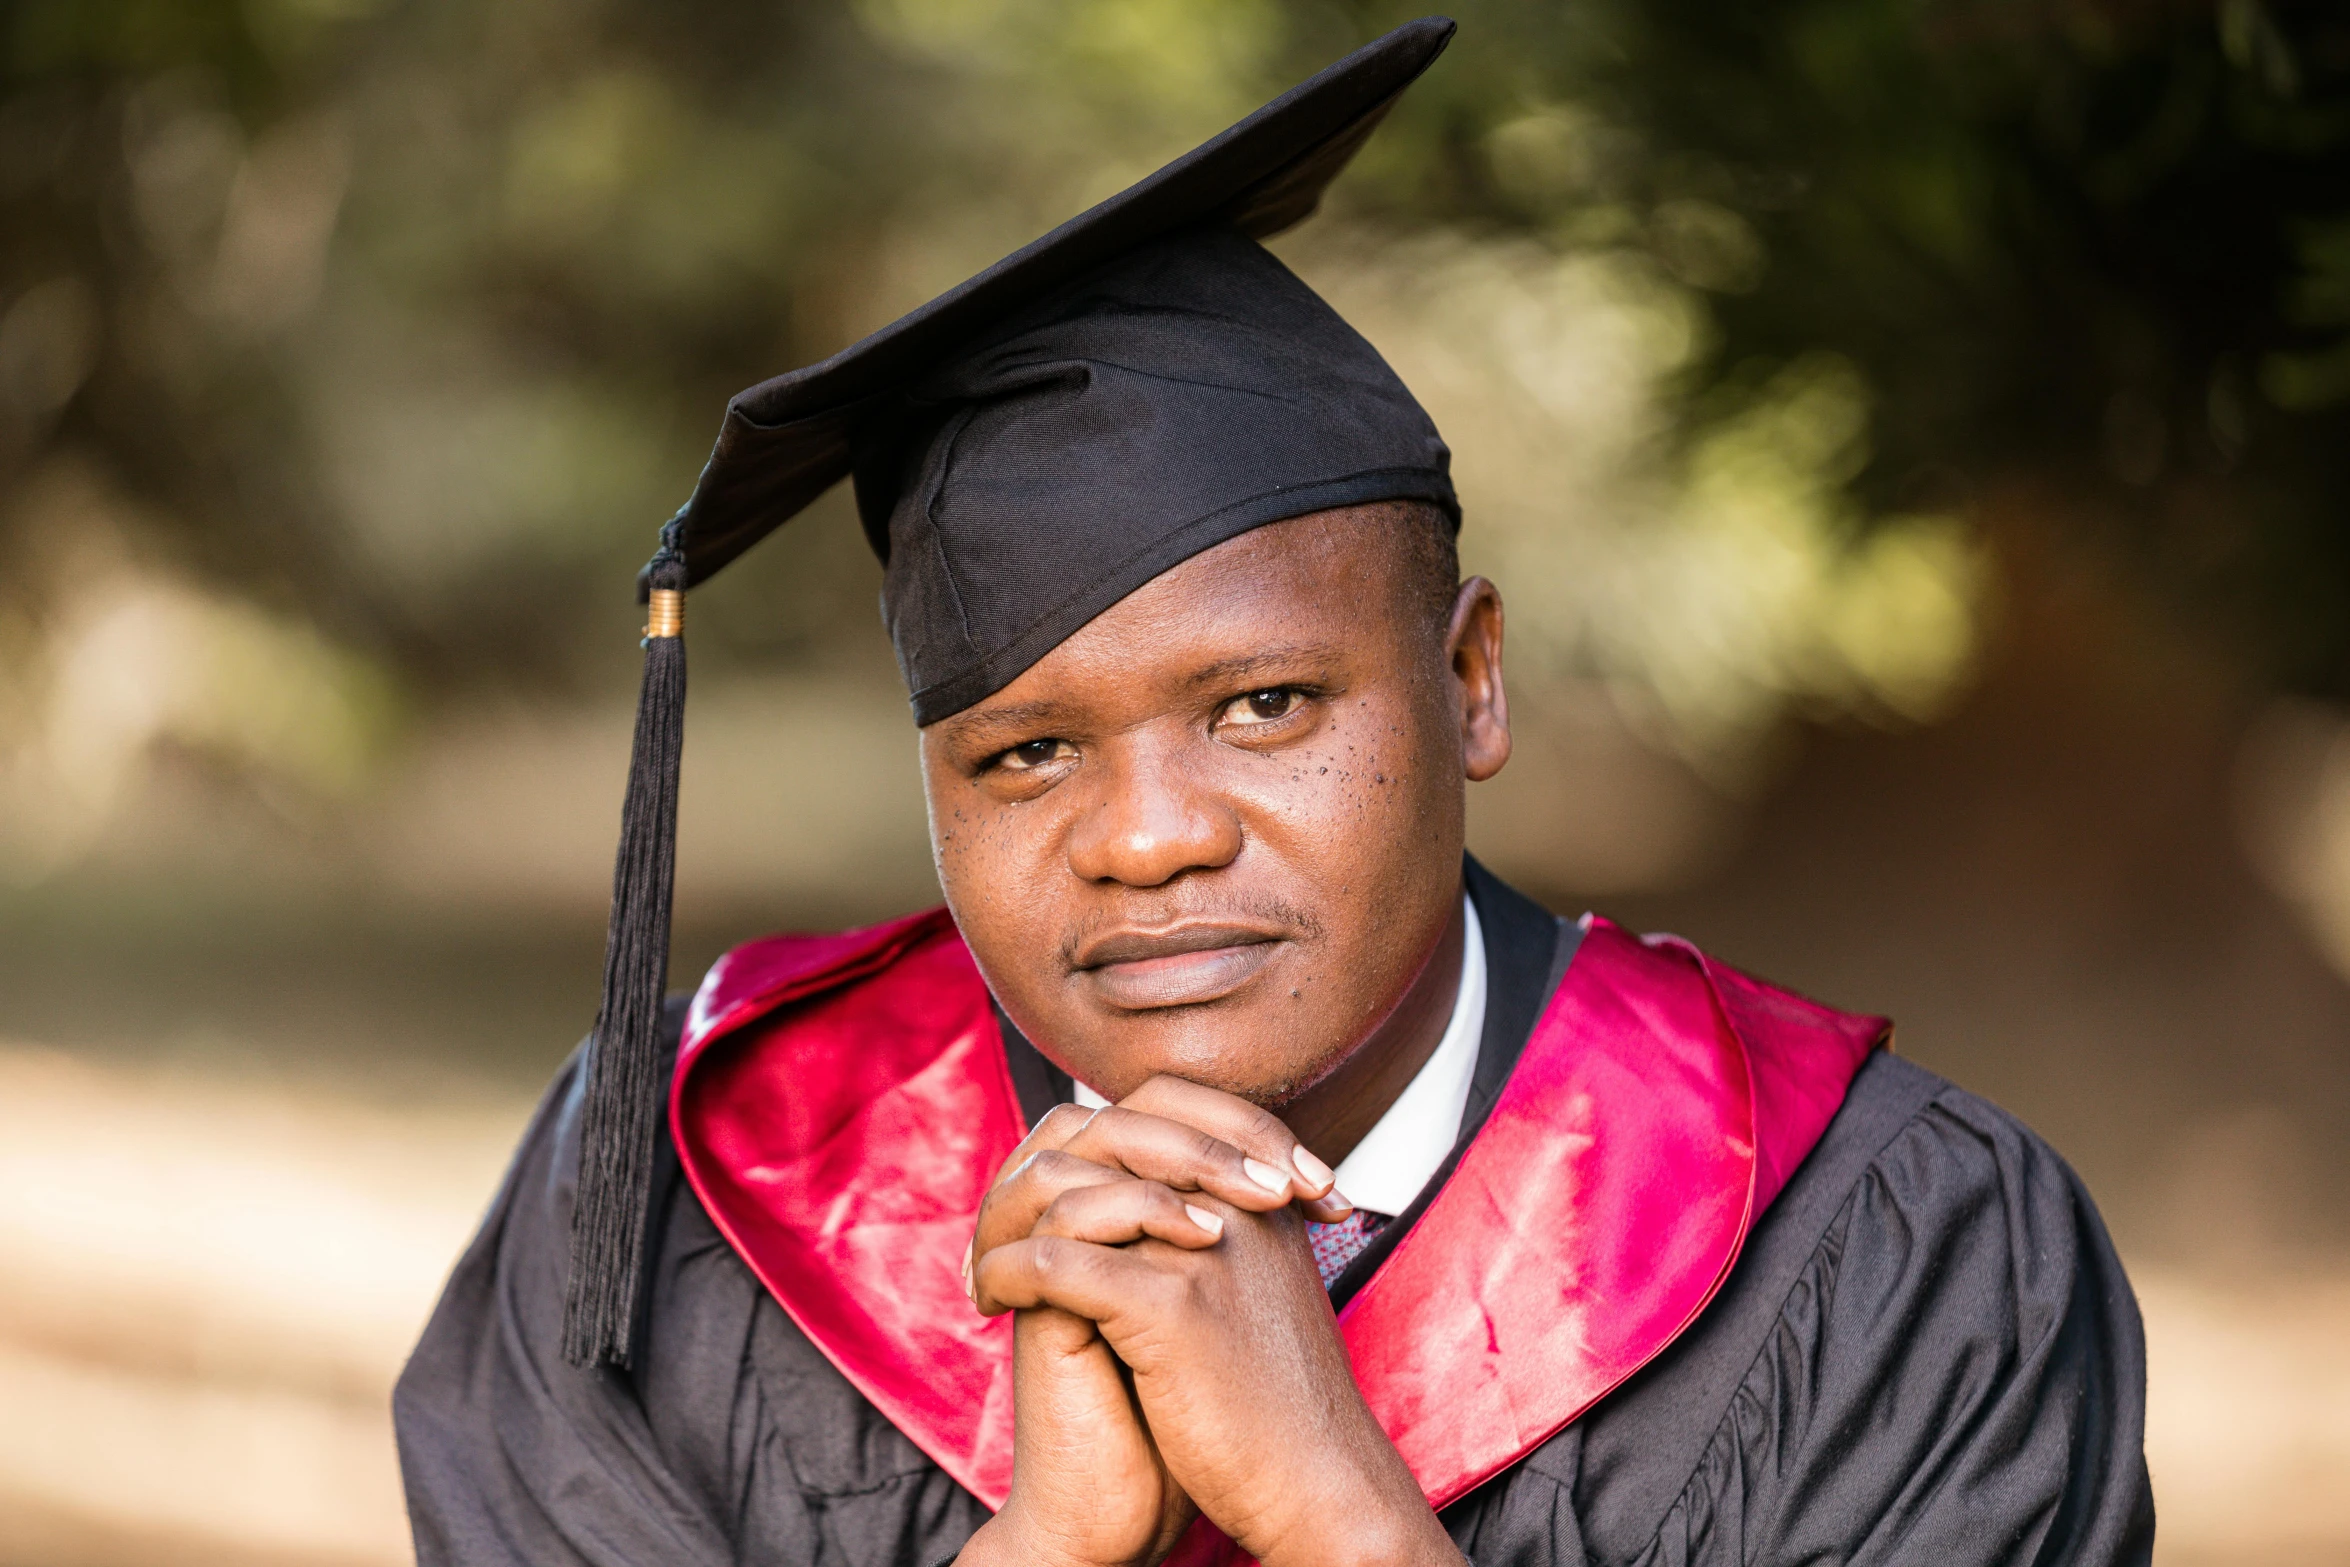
(665, 613)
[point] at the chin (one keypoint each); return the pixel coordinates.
(1225, 1046)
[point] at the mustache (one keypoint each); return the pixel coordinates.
(1099, 937)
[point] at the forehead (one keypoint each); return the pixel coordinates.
(1343, 563)
(1314, 588)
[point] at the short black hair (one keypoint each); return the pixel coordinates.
(1432, 557)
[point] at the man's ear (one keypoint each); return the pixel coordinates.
(1473, 648)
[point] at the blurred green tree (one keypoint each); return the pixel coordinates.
(2101, 247)
(412, 318)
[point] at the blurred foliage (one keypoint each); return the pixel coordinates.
(2102, 246)
(410, 319)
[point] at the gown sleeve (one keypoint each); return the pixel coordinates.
(1958, 1377)
(731, 1440)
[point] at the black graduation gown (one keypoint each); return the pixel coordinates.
(1926, 1353)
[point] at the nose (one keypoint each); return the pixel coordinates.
(1150, 822)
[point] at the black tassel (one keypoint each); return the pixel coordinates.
(625, 1093)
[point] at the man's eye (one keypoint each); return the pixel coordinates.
(1263, 707)
(1034, 753)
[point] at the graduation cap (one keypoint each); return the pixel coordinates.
(1141, 384)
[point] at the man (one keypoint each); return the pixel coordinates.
(1228, 1172)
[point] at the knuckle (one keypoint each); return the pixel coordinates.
(1149, 1203)
(1264, 1125)
(1066, 1210)
(1052, 1167)
(1062, 1122)
(1101, 1134)
(1207, 1148)
(1172, 1291)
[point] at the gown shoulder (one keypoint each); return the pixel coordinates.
(732, 1439)
(1927, 1352)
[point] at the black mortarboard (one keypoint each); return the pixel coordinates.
(1139, 385)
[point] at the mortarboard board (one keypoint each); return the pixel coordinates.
(1139, 385)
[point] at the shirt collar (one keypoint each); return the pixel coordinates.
(1407, 1145)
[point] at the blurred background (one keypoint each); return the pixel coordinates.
(1912, 436)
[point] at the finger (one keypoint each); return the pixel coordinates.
(1118, 1214)
(1126, 1211)
(1175, 1154)
(1257, 1132)
(1060, 1123)
(1103, 1284)
(1012, 1206)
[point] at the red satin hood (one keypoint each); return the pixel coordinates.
(842, 1102)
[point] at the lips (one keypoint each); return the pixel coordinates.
(1135, 970)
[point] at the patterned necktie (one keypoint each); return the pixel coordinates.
(1336, 1245)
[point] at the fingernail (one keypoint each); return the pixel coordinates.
(1266, 1176)
(1314, 1170)
(967, 1250)
(1334, 1198)
(1204, 1219)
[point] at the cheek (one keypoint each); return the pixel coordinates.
(970, 847)
(1367, 792)
(992, 861)
(1368, 826)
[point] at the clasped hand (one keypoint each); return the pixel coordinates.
(1174, 1349)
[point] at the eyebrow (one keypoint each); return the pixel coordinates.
(980, 725)
(968, 726)
(1237, 670)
